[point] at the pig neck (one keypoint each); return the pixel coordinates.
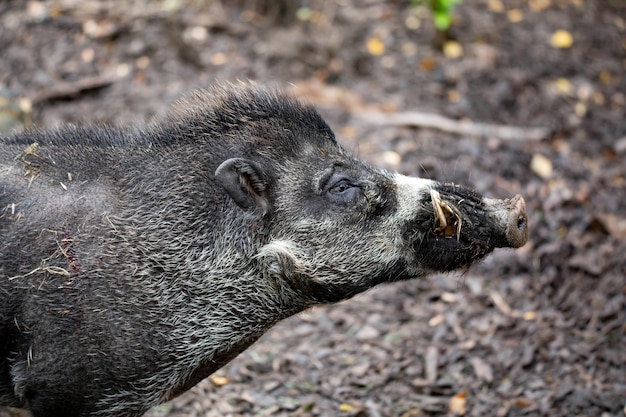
(220, 302)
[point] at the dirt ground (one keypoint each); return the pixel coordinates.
(536, 331)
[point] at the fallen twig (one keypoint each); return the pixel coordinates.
(462, 127)
(505, 309)
(72, 90)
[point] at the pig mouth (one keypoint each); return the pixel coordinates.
(448, 220)
(464, 228)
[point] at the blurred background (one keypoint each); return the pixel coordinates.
(515, 96)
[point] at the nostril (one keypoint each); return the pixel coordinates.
(517, 228)
(521, 223)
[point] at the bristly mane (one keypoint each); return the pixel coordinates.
(222, 110)
(228, 108)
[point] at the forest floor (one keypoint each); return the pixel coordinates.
(536, 331)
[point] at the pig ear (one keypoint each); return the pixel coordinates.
(245, 183)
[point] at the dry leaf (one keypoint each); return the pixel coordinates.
(605, 77)
(458, 403)
(563, 86)
(409, 49)
(100, 29)
(538, 5)
(303, 13)
(454, 96)
(530, 315)
(615, 225)
(87, 55)
(495, 6)
(467, 345)
(562, 39)
(482, 369)
(436, 320)
(349, 132)
(392, 158)
(452, 49)
(196, 34)
(412, 22)
(36, 10)
(122, 70)
(346, 407)
(449, 297)
(515, 15)
(219, 59)
(142, 62)
(367, 332)
(318, 18)
(431, 363)
(413, 412)
(541, 166)
(428, 64)
(523, 402)
(375, 46)
(580, 109)
(598, 98)
(25, 105)
(219, 380)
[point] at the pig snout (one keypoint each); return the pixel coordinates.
(463, 226)
(511, 221)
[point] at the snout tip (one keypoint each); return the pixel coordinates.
(517, 222)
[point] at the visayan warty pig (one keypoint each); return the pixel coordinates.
(137, 261)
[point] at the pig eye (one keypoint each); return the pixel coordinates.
(340, 188)
(344, 192)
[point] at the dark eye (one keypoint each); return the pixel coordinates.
(344, 192)
(340, 187)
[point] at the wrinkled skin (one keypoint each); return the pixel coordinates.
(136, 262)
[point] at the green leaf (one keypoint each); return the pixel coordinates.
(441, 11)
(442, 20)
